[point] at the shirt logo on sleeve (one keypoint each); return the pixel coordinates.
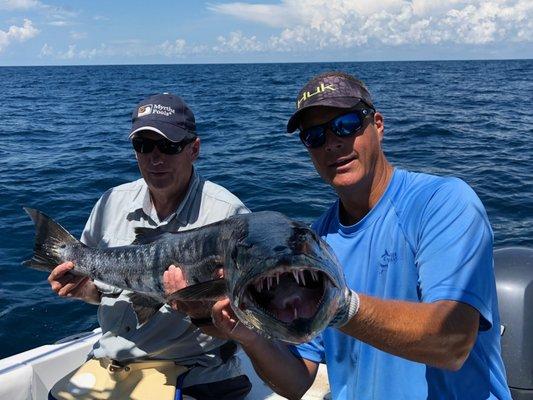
(385, 260)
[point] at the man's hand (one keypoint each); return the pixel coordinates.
(173, 280)
(225, 322)
(228, 325)
(66, 284)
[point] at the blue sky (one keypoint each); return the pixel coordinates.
(66, 32)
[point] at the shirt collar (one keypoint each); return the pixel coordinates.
(142, 201)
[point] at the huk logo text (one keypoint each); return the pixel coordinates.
(319, 89)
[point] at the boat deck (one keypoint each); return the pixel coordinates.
(30, 375)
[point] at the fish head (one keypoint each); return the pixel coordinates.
(286, 281)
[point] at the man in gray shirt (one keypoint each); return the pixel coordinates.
(173, 195)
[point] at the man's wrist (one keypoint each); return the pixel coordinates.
(347, 310)
(95, 296)
(355, 302)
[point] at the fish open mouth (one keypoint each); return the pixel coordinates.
(288, 294)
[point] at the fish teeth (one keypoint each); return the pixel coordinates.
(277, 278)
(302, 277)
(314, 275)
(269, 282)
(295, 313)
(295, 274)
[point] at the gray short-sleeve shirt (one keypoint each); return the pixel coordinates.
(168, 334)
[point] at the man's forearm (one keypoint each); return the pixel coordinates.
(279, 368)
(440, 334)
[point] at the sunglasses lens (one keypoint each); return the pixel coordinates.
(313, 137)
(347, 124)
(168, 147)
(143, 146)
(343, 126)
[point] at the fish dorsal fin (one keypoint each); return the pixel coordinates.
(214, 289)
(148, 235)
(144, 306)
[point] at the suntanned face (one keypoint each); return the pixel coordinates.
(346, 162)
(167, 175)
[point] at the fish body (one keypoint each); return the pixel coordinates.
(281, 278)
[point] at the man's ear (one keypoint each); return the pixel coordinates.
(194, 149)
(379, 123)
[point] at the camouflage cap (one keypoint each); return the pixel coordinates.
(335, 89)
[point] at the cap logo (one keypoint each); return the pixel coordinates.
(148, 109)
(319, 89)
(144, 110)
(163, 110)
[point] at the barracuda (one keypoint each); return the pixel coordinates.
(281, 278)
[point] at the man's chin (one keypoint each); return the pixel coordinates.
(159, 183)
(345, 181)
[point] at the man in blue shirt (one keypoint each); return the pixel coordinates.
(417, 254)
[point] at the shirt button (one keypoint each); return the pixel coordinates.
(127, 329)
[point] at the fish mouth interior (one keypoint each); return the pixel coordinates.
(287, 294)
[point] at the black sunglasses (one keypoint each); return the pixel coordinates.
(344, 125)
(165, 146)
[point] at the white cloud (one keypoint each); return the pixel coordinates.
(236, 42)
(59, 16)
(123, 49)
(78, 35)
(59, 23)
(69, 54)
(46, 51)
(272, 15)
(345, 23)
(170, 49)
(89, 54)
(19, 4)
(17, 33)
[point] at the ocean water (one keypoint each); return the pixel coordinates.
(63, 142)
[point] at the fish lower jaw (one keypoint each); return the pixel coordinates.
(293, 330)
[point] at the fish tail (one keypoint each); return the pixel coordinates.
(50, 239)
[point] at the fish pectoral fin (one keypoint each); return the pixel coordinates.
(208, 290)
(148, 235)
(144, 306)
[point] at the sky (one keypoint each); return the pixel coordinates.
(80, 32)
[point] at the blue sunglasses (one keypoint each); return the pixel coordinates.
(343, 126)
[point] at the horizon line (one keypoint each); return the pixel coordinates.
(266, 62)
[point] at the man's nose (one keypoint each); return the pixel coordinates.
(156, 157)
(332, 141)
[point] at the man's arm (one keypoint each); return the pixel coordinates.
(285, 373)
(440, 334)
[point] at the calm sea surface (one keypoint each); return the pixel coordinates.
(63, 142)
